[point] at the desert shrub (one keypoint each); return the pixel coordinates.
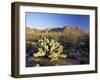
(72, 43)
(51, 49)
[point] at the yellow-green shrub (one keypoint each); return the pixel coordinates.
(49, 48)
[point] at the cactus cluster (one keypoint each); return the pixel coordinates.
(49, 48)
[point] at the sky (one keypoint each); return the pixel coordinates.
(51, 20)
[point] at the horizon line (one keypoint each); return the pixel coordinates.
(57, 27)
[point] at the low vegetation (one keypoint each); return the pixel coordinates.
(57, 46)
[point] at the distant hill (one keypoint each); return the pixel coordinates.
(66, 34)
(63, 29)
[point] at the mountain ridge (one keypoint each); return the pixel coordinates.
(63, 29)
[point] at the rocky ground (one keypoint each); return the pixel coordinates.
(72, 59)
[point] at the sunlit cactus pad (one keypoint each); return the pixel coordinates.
(50, 49)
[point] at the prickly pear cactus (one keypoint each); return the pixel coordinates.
(49, 48)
